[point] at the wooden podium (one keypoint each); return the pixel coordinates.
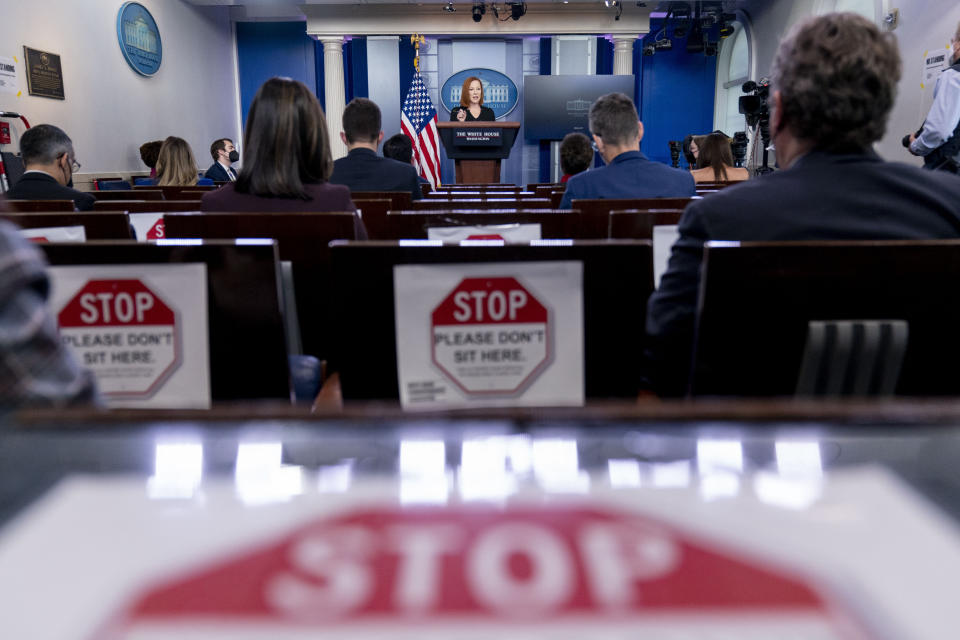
(477, 148)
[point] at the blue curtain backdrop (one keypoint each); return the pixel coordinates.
(677, 91)
(546, 48)
(405, 72)
(268, 49)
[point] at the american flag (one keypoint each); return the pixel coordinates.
(418, 121)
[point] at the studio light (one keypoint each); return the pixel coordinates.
(449, 8)
(517, 10)
(479, 9)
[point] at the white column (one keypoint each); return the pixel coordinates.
(623, 55)
(334, 93)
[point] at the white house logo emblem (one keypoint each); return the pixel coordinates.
(139, 38)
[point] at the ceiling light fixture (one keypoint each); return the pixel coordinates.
(479, 9)
(518, 9)
(449, 8)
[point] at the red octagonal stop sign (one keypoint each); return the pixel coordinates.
(125, 333)
(490, 335)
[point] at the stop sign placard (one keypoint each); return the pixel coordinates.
(156, 232)
(124, 332)
(490, 335)
(585, 566)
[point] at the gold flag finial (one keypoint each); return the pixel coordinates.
(416, 40)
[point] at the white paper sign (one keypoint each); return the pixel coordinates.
(56, 234)
(496, 334)
(509, 233)
(664, 235)
(8, 76)
(934, 62)
(867, 547)
(148, 226)
(141, 329)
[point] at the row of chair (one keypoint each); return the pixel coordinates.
(810, 318)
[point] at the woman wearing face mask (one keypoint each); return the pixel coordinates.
(471, 107)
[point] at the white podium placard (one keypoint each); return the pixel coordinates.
(509, 233)
(141, 329)
(74, 233)
(495, 334)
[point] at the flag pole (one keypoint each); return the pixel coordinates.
(416, 40)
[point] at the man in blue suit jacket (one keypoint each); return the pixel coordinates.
(617, 132)
(363, 169)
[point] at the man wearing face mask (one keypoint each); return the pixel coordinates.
(49, 163)
(938, 141)
(224, 155)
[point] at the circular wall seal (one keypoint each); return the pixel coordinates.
(139, 38)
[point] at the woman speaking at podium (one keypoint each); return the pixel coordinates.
(471, 107)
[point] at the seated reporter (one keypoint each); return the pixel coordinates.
(576, 155)
(715, 161)
(617, 132)
(833, 84)
(176, 165)
(287, 161)
(49, 163)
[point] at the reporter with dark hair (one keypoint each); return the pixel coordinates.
(287, 160)
(576, 155)
(363, 169)
(833, 83)
(398, 147)
(715, 161)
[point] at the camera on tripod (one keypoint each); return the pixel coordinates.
(755, 106)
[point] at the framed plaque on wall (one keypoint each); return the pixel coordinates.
(44, 74)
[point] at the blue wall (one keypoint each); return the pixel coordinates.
(677, 91)
(268, 49)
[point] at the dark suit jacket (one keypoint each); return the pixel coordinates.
(821, 197)
(324, 197)
(630, 175)
(217, 173)
(486, 114)
(41, 186)
(364, 170)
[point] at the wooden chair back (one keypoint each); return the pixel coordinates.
(639, 223)
(26, 206)
(448, 204)
(398, 199)
(617, 279)
(399, 225)
(137, 193)
(302, 238)
(149, 206)
(248, 351)
(757, 300)
(96, 226)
